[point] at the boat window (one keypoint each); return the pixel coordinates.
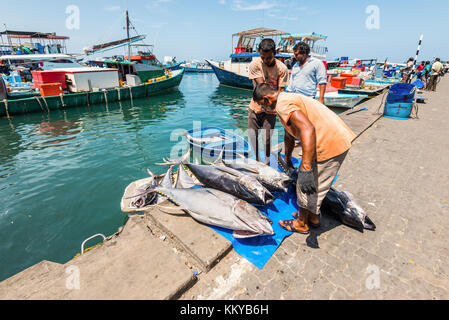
(242, 59)
(61, 61)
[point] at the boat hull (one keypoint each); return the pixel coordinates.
(41, 104)
(231, 78)
(201, 70)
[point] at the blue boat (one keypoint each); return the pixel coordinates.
(235, 71)
(230, 78)
(234, 145)
(197, 67)
(173, 67)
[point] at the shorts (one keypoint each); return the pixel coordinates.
(324, 173)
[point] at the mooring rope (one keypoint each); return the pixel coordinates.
(131, 94)
(46, 104)
(118, 94)
(5, 101)
(381, 103)
(105, 96)
(37, 98)
(62, 100)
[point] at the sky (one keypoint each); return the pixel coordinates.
(198, 29)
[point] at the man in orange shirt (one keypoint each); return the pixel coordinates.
(266, 69)
(325, 140)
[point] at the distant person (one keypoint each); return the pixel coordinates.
(419, 70)
(437, 68)
(426, 73)
(407, 71)
(307, 73)
(266, 69)
(325, 141)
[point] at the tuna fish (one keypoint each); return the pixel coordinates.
(342, 205)
(214, 207)
(237, 183)
(272, 179)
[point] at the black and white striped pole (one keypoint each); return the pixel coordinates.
(416, 59)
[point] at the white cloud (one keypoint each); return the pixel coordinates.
(240, 5)
(112, 8)
(156, 3)
(274, 14)
(222, 1)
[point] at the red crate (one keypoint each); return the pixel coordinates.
(42, 77)
(50, 89)
(339, 82)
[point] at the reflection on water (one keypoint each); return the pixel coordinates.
(237, 100)
(62, 173)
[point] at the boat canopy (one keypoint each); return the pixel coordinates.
(260, 32)
(32, 35)
(36, 57)
(247, 40)
(312, 36)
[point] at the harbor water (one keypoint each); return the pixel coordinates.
(62, 174)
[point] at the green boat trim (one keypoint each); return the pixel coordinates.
(46, 104)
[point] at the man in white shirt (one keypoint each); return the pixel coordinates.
(307, 73)
(437, 67)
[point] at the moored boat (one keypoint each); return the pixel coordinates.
(202, 67)
(235, 71)
(9, 107)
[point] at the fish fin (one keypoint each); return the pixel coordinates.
(241, 155)
(228, 170)
(168, 179)
(369, 224)
(172, 162)
(151, 173)
(141, 194)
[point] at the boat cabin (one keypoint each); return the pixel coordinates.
(25, 42)
(287, 43)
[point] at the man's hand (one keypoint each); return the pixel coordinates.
(306, 182)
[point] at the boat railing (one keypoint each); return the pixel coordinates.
(319, 49)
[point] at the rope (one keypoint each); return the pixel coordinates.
(37, 98)
(381, 103)
(5, 101)
(105, 96)
(88, 98)
(118, 94)
(131, 94)
(62, 100)
(46, 104)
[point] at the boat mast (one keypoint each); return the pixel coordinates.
(127, 33)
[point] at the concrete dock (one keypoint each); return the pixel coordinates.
(396, 169)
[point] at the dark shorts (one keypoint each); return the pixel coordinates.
(264, 122)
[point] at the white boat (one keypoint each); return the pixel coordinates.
(235, 71)
(43, 61)
(290, 40)
(338, 100)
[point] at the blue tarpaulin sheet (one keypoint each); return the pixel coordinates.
(258, 250)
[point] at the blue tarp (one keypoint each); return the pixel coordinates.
(258, 250)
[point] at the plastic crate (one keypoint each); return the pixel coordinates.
(50, 89)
